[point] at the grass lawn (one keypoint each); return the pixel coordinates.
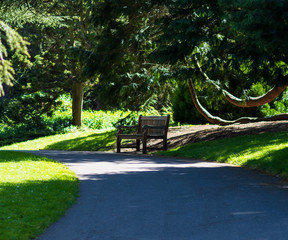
(89, 140)
(266, 152)
(35, 192)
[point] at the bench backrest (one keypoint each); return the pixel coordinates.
(155, 121)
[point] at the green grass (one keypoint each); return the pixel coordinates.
(35, 192)
(266, 152)
(89, 140)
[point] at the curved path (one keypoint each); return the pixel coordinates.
(136, 197)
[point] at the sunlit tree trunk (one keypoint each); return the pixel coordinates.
(255, 101)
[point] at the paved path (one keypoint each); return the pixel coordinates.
(136, 197)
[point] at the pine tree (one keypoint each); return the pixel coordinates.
(12, 44)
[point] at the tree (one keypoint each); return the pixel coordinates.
(80, 37)
(96, 43)
(12, 44)
(100, 45)
(118, 54)
(227, 44)
(40, 79)
(58, 26)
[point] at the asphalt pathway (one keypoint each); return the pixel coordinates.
(137, 197)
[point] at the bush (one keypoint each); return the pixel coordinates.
(29, 108)
(183, 107)
(102, 119)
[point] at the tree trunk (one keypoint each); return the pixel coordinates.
(77, 103)
(223, 122)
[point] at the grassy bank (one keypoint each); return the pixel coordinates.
(88, 140)
(266, 152)
(35, 192)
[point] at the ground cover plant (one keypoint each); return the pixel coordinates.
(35, 192)
(266, 152)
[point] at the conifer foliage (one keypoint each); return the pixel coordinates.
(11, 43)
(129, 48)
(13, 14)
(230, 45)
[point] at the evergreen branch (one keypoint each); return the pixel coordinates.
(269, 96)
(217, 120)
(17, 44)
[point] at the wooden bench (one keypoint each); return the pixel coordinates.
(148, 127)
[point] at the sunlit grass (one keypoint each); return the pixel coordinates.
(88, 140)
(35, 192)
(267, 152)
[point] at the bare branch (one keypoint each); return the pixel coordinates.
(223, 122)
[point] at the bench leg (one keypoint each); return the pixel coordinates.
(144, 144)
(144, 148)
(138, 144)
(165, 143)
(118, 145)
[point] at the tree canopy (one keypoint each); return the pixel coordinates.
(229, 44)
(129, 49)
(14, 14)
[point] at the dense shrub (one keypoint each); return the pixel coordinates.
(183, 107)
(29, 108)
(44, 126)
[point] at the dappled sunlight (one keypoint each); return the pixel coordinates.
(35, 191)
(261, 152)
(90, 141)
(28, 170)
(264, 152)
(247, 213)
(81, 140)
(91, 170)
